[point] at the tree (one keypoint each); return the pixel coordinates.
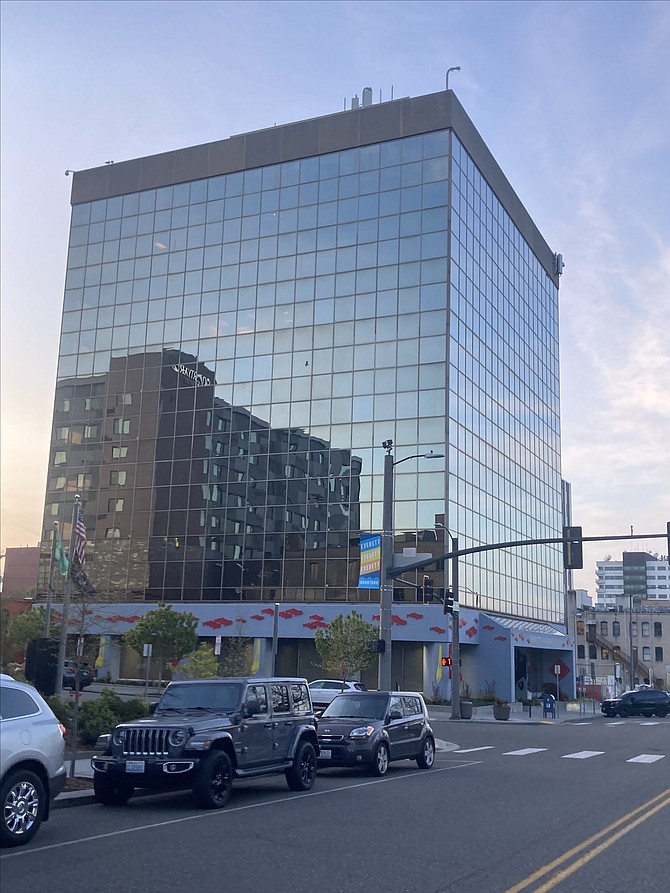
(202, 664)
(26, 626)
(171, 633)
(236, 657)
(347, 646)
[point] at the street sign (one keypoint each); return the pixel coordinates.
(217, 645)
(146, 650)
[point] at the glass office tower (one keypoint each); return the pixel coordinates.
(245, 322)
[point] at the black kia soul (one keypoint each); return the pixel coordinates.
(374, 727)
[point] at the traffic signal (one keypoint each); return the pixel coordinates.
(572, 548)
(428, 591)
(446, 661)
(448, 601)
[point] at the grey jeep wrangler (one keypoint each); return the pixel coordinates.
(205, 732)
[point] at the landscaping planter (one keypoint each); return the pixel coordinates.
(501, 711)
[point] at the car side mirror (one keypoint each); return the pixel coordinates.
(395, 714)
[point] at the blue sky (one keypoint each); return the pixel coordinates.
(573, 99)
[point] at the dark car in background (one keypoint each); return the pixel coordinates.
(372, 728)
(641, 702)
(69, 669)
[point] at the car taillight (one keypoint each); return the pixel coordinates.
(62, 729)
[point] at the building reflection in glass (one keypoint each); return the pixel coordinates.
(187, 497)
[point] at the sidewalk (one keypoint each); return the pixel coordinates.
(566, 712)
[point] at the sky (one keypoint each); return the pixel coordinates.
(572, 98)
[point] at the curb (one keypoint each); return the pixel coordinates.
(73, 798)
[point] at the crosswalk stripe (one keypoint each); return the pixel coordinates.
(647, 758)
(652, 723)
(582, 754)
(582, 723)
(524, 752)
(474, 749)
(620, 722)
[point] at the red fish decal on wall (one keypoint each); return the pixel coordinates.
(472, 631)
(316, 624)
(268, 611)
(501, 638)
(488, 626)
(257, 617)
(415, 616)
(437, 629)
(398, 620)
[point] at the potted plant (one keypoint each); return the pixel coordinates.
(501, 708)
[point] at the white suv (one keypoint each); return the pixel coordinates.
(323, 691)
(32, 761)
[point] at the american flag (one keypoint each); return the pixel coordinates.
(80, 536)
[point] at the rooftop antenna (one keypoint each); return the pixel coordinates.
(453, 68)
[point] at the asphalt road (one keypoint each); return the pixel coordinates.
(513, 808)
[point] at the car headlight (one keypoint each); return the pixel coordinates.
(362, 732)
(118, 737)
(177, 737)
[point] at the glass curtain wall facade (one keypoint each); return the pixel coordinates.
(235, 348)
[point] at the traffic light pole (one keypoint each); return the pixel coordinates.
(455, 638)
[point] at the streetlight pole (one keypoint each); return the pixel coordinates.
(630, 638)
(386, 563)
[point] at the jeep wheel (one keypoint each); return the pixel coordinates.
(427, 756)
(301, 775)
(109, 791)
(380, 761)
(214, 781)
(661, 712)
(624, 712)
(23, 801)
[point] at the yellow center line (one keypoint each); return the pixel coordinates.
(612, 832)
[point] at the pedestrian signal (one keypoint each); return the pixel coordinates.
(446, 661)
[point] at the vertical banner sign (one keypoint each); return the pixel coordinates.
(371, 561)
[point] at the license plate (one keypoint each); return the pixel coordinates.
(135, 766)
(325, 754)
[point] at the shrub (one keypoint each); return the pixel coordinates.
(62, 709)
(95, 718)
(100, 716)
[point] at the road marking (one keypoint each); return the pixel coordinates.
(524, 752)
(654, 722)
(609, 836)
(582, 754)
(475, 749)
(582, 723)
(619, 722)
(222, 813)
(647, 758)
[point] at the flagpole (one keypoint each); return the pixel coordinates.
(50, 586)
(66, 602)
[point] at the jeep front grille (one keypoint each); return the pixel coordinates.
(145, 742)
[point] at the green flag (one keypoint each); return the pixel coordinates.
(60, 557)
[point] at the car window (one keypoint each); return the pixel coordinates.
(359, 686)
(260, 694)
(15, 703)
(395, 703)
(300, 698)
(411, 706)
(318, 684)
(280, 701)
(334, 686)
